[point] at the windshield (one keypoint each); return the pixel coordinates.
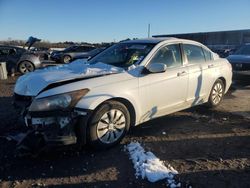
(244, 50)
(123, 54)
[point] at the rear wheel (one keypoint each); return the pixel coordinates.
(25, 67)
(216, 94)
(108, 125)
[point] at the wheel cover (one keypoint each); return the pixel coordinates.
(111, 126)
(26, 67)
(66, 59)
(217, 93)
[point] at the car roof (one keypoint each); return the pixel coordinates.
(152, 40)
(156, 40)
(83, 45)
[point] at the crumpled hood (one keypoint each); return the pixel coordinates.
(239, 58)
(32, 83)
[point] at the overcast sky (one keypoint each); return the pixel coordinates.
(109, 20)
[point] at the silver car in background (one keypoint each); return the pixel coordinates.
(75, 52)
(28, 62)
(31, 59)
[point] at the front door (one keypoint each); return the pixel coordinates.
(164, 93)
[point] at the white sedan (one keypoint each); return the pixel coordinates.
(96, 102)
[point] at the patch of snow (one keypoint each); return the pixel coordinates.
(100, 68)
(199, 116)
(148, 166)
(212, 120)
(27, 84)
(82, 67)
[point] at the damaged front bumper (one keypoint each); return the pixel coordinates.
(56, 130)
(52, 128)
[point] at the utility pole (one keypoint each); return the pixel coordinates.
(148, 30)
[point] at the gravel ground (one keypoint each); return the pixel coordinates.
(209, 148)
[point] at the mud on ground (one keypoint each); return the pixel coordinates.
(209, 148)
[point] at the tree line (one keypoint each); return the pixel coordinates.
(48, 44)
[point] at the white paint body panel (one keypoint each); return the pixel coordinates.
(151, 95)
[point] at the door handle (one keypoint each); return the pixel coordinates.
(181, 73)
(210, 65)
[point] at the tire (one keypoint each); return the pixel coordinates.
(25, 67)
(216, 94)
(108, 125)
(66, 59)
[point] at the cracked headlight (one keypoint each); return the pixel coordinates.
(58, 102)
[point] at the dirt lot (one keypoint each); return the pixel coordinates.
(209, 148)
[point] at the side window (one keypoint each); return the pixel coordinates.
(90, 48)
(78, 49)
(72, 49)
(194, 53)
(169, 55)
(20, 51)
(208, 55)
(4, 51)
(12, 51)
(84, 48)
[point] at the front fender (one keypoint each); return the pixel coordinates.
(93, 101)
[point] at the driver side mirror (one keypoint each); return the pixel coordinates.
(157, 67)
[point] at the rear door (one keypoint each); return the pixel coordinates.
(200, 68)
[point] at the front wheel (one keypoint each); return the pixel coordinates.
(108, 125)
(216, 94)
(66, 59)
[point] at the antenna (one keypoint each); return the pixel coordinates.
(148, 30)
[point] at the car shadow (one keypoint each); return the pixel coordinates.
(218, 178)
(9, 117)
(241, 82)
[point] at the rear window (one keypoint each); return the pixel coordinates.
(70, 49)
(194, 53)
(208, 55)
